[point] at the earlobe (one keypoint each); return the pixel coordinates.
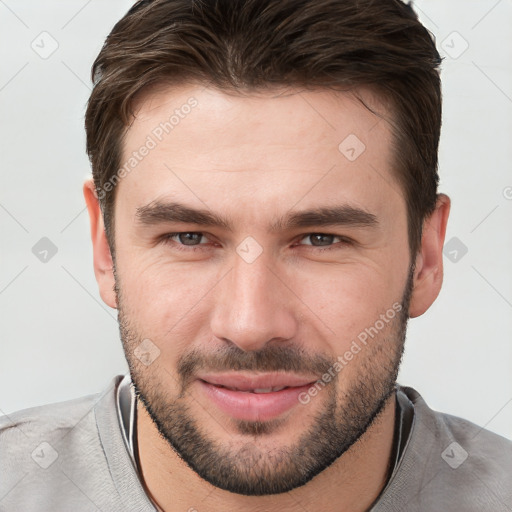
(428, 274)
(103, 264)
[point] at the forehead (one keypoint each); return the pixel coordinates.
(283, 145)
(277, 116)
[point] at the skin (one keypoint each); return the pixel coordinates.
(254, 159)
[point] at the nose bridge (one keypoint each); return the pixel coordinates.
(252, 309)
(252, 283)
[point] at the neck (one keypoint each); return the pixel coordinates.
(352, 483)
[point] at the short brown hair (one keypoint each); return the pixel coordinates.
(260, 44)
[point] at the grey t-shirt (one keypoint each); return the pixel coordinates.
(73, 456)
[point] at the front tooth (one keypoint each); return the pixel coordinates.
(268, 390)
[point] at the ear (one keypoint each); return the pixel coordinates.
(103, 265)
(428, 273)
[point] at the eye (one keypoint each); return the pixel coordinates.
(195, 240)
(326, 240)
(184, 239)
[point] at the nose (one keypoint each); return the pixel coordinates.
(254, 305)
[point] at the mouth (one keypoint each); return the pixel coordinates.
(259, 390)
(254, 397)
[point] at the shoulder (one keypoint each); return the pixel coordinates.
(46, 418)
(453, 463)
(52, 455)
(65, 423)
(447, 426)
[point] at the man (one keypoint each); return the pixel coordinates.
(265, 218)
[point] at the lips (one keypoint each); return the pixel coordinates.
(260, 390)
(253, 397)
(256, 383)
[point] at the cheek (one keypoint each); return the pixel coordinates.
(346, 301)
(167, 302)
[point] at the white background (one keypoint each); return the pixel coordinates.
(59, 341)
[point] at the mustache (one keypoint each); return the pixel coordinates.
(273, 358)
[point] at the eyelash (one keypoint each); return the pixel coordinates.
(166, 239)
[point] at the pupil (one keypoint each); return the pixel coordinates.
(318, 238)
(189, 238)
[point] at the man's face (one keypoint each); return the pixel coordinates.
(273, 291)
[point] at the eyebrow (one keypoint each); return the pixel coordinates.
(342, 215)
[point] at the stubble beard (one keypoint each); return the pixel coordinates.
(249, 467)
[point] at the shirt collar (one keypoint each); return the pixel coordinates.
(127, 410)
